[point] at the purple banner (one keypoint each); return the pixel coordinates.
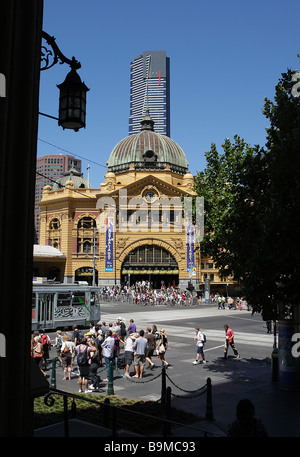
(109, 257)
(190, 247)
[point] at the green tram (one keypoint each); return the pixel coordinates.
(57, 306)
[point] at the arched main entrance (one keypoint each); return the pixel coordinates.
(150, 263)
(86, 274)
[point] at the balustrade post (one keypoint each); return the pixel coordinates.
(110, 387)
(167, 415)
(53, 373)
(106, 412)
(66, 421)
(163, 385)
(209, 408)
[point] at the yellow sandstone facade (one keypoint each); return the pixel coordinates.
(133, 227)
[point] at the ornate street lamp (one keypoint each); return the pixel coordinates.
(72, 96)
(72, 102)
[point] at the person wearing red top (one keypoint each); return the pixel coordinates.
(229, 340)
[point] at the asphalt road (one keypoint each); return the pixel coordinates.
(184, 378)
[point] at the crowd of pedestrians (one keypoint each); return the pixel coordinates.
(142, 293)
(230, 302)
(101, 346)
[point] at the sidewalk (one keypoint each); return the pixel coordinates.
(232, 379)
(278, 409)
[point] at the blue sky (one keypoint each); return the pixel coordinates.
(225, 57)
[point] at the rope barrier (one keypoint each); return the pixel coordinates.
(166, 392)
(189, 391)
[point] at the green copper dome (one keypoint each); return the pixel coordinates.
(147, 150)
(72, 175)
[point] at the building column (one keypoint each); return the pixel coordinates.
(20, 32)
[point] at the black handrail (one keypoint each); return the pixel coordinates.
(167, 423)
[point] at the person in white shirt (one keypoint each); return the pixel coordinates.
(200, 345)
(108, 351)
(128, 352)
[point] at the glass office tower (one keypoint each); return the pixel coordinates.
(150, 88)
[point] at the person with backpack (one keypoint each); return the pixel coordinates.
(37, 352)
(58, 344)
(122, 325)
(77, 335)
(155, 332)
(95, 379)
(83, 352)
(46, 345)
(200, 339)
(162, 347)
(67, 349)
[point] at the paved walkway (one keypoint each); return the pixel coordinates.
(232, 380)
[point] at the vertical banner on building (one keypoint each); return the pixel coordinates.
(190, 248)
(109, 257)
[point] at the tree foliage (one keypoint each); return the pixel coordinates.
(252, 205)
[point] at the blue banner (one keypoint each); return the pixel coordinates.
(190, 247)
(109, 257)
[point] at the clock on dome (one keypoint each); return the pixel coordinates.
(150, 196)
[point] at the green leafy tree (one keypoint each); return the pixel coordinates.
(252, 204)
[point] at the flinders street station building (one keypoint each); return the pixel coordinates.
(133, 228)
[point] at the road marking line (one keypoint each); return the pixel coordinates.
(212, 349)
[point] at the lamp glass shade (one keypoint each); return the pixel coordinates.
(72, 102)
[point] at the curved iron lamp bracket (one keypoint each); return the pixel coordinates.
(55, 54)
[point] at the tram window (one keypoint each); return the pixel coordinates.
(63, 300)
(94, 299)
(78, 298)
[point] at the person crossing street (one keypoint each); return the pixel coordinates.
(200, 346)
(229, 341)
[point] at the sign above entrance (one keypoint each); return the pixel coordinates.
(155, 272)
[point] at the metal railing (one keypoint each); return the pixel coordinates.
(107, 413)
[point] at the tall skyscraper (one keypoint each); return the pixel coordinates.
(49, 168)
(150, 88)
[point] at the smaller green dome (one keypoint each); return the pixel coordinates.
(72, 175)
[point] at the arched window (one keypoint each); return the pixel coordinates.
(86, 223)
(54, 224)
(87, 246)
(54, 233)
(154, 256)
(85, 235)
